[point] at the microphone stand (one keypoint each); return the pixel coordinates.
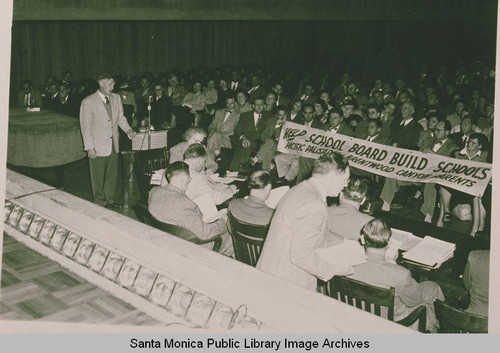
(150, 98)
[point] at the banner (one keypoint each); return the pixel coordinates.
(391, 162)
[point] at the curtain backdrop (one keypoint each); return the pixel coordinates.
(40, 48)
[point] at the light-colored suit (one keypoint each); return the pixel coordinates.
(346, 221)
(169, 204)
(408, 293)
(220, 131)
(99, 130)
(99, 124)
(297, 229)
(476, 280)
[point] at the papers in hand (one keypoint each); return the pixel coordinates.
(275, 196)
(227, 180)
(344, 255)
(430, 253)
(208, 208)
(158, 177)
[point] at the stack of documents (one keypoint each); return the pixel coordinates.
(208, 208)
(430, 253)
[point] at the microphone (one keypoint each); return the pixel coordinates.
(150, 100)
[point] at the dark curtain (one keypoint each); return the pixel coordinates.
(40, 48)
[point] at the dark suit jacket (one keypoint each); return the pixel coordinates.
(71, 107)
(246, 127)
(309, 100)
(251, 210)
(299, 118)
(283, 100)
(35, 99)
(458, 138)
(261, 91)
(406, 136)
(383, 140)
(161, 110)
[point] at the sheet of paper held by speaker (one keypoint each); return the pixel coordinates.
(349, 253)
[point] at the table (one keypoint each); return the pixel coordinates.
(43, 139)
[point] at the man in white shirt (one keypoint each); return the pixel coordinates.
(200, 184)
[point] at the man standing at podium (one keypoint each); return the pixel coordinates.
(101, 114)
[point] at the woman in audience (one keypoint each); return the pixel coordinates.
(475, 150)
(378, 271)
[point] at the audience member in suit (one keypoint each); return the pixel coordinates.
(387, 117)
(474, 151)
(442, 145)
(281, 99)
(307, 96)
(50, 95)
(223, 92)
(247, 136)
(476, 279)
(28, 96)
(101, 114)
(345, 221)
(235, 83)
(222, 128)
(271, 135)
(405, 132)
(195, 101)
(211, 96)
(295, 113)
(287, 165)
(325, 96)
(169, 204)
(200, 184)
(142, 97)
(253, 209)
(298, 227)
(257, 89)
(270, 102)
(373, 113)
(378, 272)
(161, 109)
(243, 103)
(129, 103)
(374, 132)
(175, 91)
(335, 125)
(432, 120)
(466, 129)
(65, 103)
(191, 136)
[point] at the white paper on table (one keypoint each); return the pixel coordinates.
(208, 208)
(275, 196)
(349, 253)
(430, 251)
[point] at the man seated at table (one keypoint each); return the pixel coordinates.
(27, 96)
(192, 135)
(377, 271)
(476, 280)
(345, 221)
(200, 184)
(253, 209)
(169, 204)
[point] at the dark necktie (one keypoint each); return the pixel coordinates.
(107, 99)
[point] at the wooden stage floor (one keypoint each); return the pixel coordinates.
(33, 287)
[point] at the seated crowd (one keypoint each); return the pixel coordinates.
(234, 124)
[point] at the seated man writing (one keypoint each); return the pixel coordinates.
(200, 184)
(253, 209)
(378, 272)
(170, 204)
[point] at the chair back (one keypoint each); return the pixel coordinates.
(453, 320)
(146, 163)
(248, 239)
(362, 295)
(144, 216)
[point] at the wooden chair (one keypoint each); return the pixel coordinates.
(142, 212)
(453, 320)
(248, 240)
(146, 162)
(371, 299)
